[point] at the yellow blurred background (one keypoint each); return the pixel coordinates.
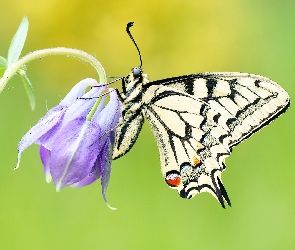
(175, 38)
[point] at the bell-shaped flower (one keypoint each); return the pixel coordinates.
(76, 137)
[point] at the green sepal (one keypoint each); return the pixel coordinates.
(18, 41)
(29, 89)
(3, 62)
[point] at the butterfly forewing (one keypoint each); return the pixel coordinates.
(246, 102)
(196, 120)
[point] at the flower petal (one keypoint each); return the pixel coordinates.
(108, 118)
(106, 164)
(90, 178)
(74, 152)
(77, 91)
(45, 158)
(84, 182)
(82, 106)
(50, 121)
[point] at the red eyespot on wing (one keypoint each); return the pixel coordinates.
(173, 179)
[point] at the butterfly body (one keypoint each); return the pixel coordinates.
(196, 120)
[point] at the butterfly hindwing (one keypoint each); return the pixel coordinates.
(126, 135)
(191, 151)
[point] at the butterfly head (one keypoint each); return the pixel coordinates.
(132, 84)
(137, 72)
(137, 76)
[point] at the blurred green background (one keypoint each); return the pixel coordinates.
(175, 38)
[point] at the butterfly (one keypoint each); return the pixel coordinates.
(196, 119)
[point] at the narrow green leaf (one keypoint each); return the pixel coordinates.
(2, 70)
(3, 62)
(18, 41)
(29, 90)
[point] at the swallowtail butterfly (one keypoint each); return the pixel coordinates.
(196, 119)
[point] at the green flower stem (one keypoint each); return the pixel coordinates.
(15, 67)
(93, 109)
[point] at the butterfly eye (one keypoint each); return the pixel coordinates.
(173, 179)
(136, 72)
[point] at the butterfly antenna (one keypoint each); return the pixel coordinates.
(129, 25)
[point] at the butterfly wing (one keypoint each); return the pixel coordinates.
(192, 145)
(197, 119)
(127, 133)
(246, 102)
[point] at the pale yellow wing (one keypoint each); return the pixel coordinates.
(192, 146)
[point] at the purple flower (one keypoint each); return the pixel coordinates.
(76, 143)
